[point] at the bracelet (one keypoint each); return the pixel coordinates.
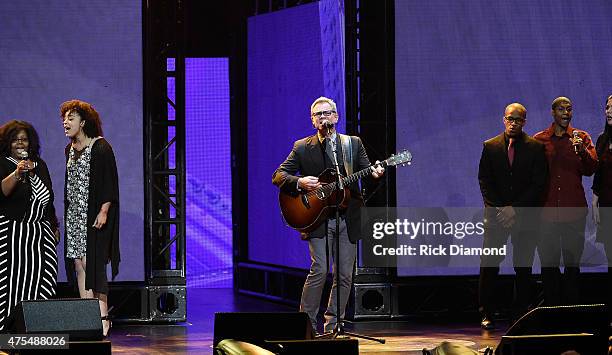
(17, 177)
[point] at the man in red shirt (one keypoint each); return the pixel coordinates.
(571, 154)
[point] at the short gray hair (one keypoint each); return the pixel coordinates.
(323, 99)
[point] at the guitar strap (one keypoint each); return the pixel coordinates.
(347, 153)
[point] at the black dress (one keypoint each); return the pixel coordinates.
(28, 259)
(102, 244)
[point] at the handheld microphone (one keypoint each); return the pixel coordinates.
(23, 155)
(576, 136)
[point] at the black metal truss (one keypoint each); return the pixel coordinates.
(165, 271)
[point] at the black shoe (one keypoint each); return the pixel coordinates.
(315, 332)
(487, 323)
(329, 327)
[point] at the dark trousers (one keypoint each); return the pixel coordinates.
(315, 281)
(524, 243)
(608, 246)
(561, 239)
(604, 235)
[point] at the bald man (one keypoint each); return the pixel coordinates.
(512, 176)
(571, 155)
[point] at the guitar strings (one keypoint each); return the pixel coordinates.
(346, 180)
(402, 157)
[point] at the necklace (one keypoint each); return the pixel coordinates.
(81, 146)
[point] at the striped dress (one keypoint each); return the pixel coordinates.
(28, 259)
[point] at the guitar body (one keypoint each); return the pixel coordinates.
(305, 212)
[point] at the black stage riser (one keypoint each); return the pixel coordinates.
(554, 330)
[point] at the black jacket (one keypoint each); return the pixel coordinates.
(521, 185)
(102, 244)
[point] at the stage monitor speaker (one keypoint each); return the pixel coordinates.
(543, 330)
(372, 301)
(79, 318)
(582, 343)
(257, 327)
(320, 346)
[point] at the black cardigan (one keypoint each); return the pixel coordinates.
(102, 244)
(16, 205)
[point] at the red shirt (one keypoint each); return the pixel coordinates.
(566, 168)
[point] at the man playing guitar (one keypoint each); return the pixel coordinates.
(310, 157)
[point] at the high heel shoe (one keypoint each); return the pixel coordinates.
(110, 326)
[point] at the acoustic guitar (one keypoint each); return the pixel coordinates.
(305, 211)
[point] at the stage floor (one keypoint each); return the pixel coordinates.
(195, 336)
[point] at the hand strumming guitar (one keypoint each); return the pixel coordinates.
(308, 183)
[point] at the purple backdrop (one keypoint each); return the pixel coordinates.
(209, 179)
(52, 51)
(294, 56)
(458, 64)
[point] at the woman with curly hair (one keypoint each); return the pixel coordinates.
(28, 225)
(91, 204)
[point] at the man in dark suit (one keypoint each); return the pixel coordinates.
(310, 156)
(512, 176)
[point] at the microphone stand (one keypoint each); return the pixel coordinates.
(338, 330)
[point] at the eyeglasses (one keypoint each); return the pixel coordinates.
(20, 140)
(323, 113)
(517, 120)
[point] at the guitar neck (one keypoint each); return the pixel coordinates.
(403, 158)
(358, 175)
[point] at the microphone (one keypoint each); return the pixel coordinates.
(23, 155)
(327, 124)
(576, 136)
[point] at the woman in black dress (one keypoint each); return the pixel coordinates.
(91, 204)
(28, 225)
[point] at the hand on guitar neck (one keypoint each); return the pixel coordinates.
(377, 170)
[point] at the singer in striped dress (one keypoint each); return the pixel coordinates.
(28, 225)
